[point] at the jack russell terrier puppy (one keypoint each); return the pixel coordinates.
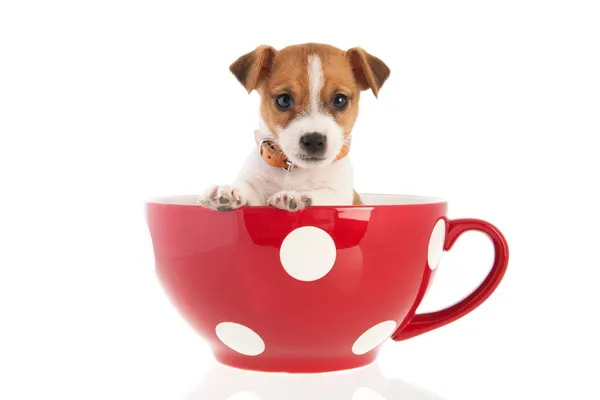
(309, 103)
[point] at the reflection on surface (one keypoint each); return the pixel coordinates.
(346, 226)
(224, 383)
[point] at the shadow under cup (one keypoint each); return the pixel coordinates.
(309, 291)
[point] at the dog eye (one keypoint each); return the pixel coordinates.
(340, 101)
(284, 102)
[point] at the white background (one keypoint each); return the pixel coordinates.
(494, 106)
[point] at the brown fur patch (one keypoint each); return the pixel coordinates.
(338, 78)
(356, 200)
(273, 72)
(253, 67)
(369, 71)
(289, 74)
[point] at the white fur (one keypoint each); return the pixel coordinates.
(327, 183)
(315, 82)
(258, 184)
(331, 184)
(289, 138)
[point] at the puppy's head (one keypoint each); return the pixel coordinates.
(309, 95)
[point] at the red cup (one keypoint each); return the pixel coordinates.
(310, 291)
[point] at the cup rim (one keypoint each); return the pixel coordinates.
(370, 200)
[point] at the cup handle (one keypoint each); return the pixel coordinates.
(422, 323)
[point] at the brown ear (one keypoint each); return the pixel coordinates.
(252, 67)
(369, 71)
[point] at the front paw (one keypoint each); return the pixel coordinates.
(221, 198)
(290, 201)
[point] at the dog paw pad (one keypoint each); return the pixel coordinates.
(290, 201)
(221, 198)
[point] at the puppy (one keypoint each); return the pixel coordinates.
(309, 103)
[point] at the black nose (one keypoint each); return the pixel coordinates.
(314, 143)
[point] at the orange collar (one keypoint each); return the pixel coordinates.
(275, 157)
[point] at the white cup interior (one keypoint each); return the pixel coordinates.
(367, 199)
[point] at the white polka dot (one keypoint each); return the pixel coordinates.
(365, 393)
(240, 338)
(374, 337)
(436, 244)
(308, 253)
